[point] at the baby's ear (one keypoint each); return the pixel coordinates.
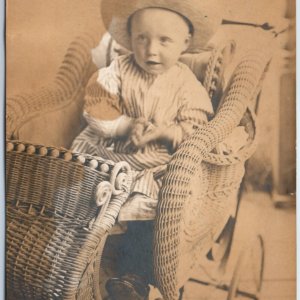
(187, 42)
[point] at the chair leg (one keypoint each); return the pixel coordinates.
(181, 291)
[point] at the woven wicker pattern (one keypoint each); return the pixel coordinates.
(55, 227)
(195, 194)
(68, 84)
(59, 214)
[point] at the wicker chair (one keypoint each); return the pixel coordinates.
(62, 205)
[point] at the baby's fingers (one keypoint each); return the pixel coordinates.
(127, 143)
(148, 137)
(135, 139)
(129, 147)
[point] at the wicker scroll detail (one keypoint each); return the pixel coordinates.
(177, 185)
(70, 81)
(55, 228)
(103, 193)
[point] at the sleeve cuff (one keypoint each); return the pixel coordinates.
(106, 129)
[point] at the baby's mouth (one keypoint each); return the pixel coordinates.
(152, 63)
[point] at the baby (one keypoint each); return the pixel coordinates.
(141, 107)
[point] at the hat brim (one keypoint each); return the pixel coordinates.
(205, 16)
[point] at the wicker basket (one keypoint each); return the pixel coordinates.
(60, 207)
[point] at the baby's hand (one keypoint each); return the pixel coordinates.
(163, 134)
(138, 127)
(137, 131)
(151, 134)
(144, 132)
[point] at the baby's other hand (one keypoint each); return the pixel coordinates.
(136, 132)
(152, 134)
(163, 134)
(138, 129)
(144, 132)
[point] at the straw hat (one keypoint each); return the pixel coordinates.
(204, 15)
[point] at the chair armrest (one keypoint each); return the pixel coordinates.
(67, 86)
(240, 94)
(186, 163)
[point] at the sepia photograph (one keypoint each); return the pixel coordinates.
(150, 149)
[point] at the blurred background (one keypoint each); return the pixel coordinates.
(38, 32)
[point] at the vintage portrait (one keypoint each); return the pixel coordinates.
(150, 149)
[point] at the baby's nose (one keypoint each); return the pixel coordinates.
(152, 48)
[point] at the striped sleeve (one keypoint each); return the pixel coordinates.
(195, 109)
(102, 95)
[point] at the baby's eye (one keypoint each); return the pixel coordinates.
(141, 38)
(165, 40)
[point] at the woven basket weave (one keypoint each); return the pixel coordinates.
(65, 90)
(56, 227)
(199, 185)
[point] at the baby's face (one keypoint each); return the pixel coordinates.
(158, 38)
